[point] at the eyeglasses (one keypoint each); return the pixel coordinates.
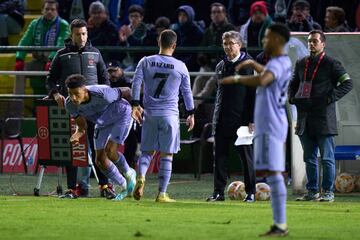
(229, 44)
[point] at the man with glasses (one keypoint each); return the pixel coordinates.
(234, 107)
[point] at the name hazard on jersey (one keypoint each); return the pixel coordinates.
(161, 65)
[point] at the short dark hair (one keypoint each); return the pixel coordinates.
(167, 38)
(51, 2)
(322, 35)
(217, 4)
(136, 8)
(75, 81)
(280, 29)
(77, 23)
(338, 13)
(162, 22)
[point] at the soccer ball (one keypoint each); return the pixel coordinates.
(344, 183)
(236, 190)
(262, 192)
(357, 183)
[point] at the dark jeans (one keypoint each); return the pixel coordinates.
(245, 152)
(311, 145)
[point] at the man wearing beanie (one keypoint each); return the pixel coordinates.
(252, 32)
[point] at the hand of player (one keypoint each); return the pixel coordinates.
(75, 138)
(244, 64)
(136, 114)
(60, 99)
(251, 127)
(190, 122)
(125, 93)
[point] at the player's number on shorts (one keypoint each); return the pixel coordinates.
(164, 78)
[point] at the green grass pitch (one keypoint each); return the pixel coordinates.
(47, 217)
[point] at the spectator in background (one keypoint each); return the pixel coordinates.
(335, 20)
(102, 32)
(189, 34)
(252, 32)
(48, 30)
(300, 20)
(205, 86)
(212, 35)
(11, 19)
(153, 34)
(133, 35)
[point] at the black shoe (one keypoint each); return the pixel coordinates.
(70, 194)
(275, 231)
(107, 192)
(250, 198)
(215, 197)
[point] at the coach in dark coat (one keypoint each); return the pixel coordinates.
(234, 107)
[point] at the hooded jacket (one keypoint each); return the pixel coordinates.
(72, 60)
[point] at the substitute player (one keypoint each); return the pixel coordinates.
(111, 114)
(270, 118)
(163, 76)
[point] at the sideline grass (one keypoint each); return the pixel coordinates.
(24, 217)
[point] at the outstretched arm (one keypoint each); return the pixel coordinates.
(264, 79)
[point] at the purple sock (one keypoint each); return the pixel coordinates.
(113, 173)
(164, 173)
(278, 197)
(144, 163)
(122, 164)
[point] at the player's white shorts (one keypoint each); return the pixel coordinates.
(160, 133)
(269, 153)
(116, 132)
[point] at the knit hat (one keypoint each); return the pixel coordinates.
(258, 6)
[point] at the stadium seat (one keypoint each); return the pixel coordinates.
(10, 123)
(187, 139)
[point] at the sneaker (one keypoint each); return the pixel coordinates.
(164, 198)
(250, 198)
(70, 194)
(130, 181)
(216, 197)
(81, 192)
(139, 188)
(275, 231)
(327, 197)
(107, 191)
(310, 196)
(121, 195)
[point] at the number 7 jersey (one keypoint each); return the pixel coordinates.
(163, 77)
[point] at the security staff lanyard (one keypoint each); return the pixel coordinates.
(307, 85)
(316, 67)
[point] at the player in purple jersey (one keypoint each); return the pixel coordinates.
(111, 114)
(163, 77)
(270, 119)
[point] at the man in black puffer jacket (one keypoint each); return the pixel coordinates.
(234, 107)
(78, 57)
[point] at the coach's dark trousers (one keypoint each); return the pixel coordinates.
(222, 144)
